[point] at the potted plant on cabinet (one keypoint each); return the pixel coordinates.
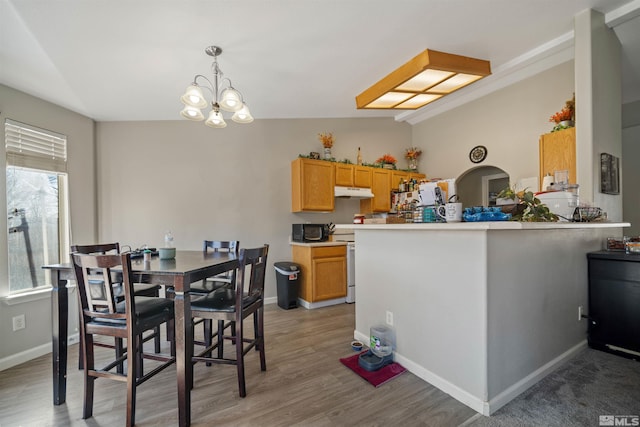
(387, 161)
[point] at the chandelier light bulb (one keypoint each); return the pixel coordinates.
(242, 115)
(193, 97)
(231, 100)
(215, 120)
(192, 113)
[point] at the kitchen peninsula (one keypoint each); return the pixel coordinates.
(480, 310)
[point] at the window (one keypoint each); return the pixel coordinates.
(36, 204)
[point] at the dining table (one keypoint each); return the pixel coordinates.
(187, 267)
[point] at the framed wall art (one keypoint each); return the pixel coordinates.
(609, 174)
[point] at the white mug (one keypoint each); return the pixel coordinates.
(451, 212)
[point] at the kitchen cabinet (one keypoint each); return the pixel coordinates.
(381, 188)
(362, 176)
(323, 271)
(312, 185)
(614, 298)
(344, 174)
(558, 152)
(396, 176)
(353, 175)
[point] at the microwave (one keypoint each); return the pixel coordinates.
(309, 233)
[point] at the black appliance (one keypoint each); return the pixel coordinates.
(310, 233)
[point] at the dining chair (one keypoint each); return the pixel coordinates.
(210, 284)
(233, 306)
(129, 318)
(140, 289)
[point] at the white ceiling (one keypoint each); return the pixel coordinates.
(132, 60)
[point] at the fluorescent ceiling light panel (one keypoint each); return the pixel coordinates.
(425, 78)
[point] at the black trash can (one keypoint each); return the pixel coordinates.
(287, 277)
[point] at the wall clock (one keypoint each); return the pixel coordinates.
(478, 154)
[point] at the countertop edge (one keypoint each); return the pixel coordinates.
(319, 244)
(489, 225)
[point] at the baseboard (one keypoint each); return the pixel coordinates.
(32, 353)
(510, 393)
(271, 300)
(319, 304)
(474, 402)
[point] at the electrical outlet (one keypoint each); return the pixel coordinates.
(579, 313)
(18, 322)
(389, 318)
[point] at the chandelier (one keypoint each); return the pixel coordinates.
(227, 99)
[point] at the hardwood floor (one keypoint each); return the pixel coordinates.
(304, 385)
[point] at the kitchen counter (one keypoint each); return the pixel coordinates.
(481, 310)
(319, 244)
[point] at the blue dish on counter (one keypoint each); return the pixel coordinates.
(484, 214)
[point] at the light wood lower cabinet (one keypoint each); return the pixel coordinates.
(323, 271)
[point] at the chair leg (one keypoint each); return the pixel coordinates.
(260, 337)
(80, 355)
(139, 372)
(220, 339)
(89, 381)
(133, 357)
(119, 353)
(207, 326)
(156, 339)
(240, 358)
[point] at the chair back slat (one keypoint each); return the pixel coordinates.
(230, 246)
(95, 270)
(253, 261)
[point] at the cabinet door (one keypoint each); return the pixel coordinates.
(362, 176)
(344, 174)
(417, 176)
(381, 188)
(330, 278)
(312, 185)
(396, 176)
(558, 152)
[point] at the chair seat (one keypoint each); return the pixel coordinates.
(202, 289)
(146, 307)
(223, 299)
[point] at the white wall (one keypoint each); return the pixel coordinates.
(508, 123)
(80, 142)
(631, 176)
(222, 184)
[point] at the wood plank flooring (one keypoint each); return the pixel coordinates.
(304, 385)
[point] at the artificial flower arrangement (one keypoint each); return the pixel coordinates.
(387, 159)
(412, 153)
(566, 115)
(326, 138)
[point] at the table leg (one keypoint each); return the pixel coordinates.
(59, 322)
(184, 348)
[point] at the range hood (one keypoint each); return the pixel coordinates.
(359, 193)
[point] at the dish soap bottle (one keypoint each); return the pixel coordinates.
(168, 239)
(359, 159)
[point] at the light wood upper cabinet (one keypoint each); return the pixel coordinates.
(558, 152)
(344, 174)
(312, 185)
(362, 176)
(324, 271)
(381, 188)
(396, 176)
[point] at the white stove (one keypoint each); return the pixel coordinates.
(347, 235)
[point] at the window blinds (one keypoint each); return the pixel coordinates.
(34, 148)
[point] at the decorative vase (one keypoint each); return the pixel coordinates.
(327, 153)
(413, 164)
(567, 123)
(388, 166)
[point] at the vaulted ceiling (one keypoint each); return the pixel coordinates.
(132, 60)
